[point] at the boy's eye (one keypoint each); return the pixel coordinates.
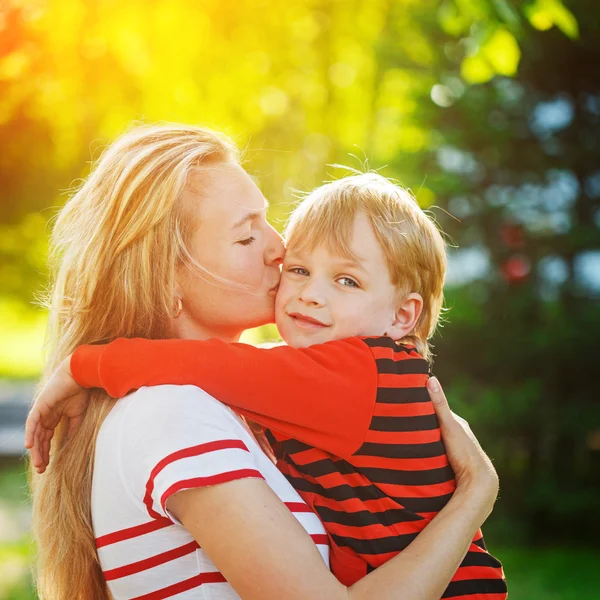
(348, 282)
(299, 271)
(247, 241)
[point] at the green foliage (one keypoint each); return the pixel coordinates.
(543, 14)
(22, 332)
(498, 55)
(521, 346)
(550, 573)
(16, 584)
(487, 110)
(15, 548)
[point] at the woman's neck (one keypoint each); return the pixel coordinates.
(187, 329)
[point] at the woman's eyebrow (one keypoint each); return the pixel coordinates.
(251, 216)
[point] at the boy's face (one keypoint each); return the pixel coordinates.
(324, 296)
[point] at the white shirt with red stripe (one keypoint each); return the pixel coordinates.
(155, 442)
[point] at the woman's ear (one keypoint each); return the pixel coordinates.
(406, 316)
(177, 305)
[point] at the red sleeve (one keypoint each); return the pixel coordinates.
(323, 395)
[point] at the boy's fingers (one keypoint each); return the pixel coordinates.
(40, 456)
(38, 451)
(29, 434)
(31, 426)
(35, 453)
(46, 455)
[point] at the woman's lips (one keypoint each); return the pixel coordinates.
(306, 322)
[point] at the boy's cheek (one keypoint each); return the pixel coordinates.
(280, 304)
(284, 293)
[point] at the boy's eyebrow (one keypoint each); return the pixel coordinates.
(352, 263)
(249, 217)
(342, 261)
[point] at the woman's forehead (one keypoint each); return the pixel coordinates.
(223, 192)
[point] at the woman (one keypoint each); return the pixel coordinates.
(168, 238)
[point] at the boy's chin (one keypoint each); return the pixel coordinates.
(294, 340)
(300, 341)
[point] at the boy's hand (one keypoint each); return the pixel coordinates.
(61, 397)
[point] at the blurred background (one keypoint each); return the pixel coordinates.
(489, 110)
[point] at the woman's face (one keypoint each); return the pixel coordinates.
(231, 239)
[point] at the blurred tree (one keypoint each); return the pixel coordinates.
(518, 168)
(487, 109)
(308, 82)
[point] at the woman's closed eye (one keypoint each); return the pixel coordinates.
(246, 241)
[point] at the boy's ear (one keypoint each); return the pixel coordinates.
(406, 317)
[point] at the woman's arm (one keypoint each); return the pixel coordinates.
(248, 547)
(264, 553)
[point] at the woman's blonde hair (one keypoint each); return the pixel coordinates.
(413, 245)
(116, 245)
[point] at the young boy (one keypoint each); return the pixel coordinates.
(362, 260)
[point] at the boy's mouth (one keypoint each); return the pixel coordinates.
(306, 322)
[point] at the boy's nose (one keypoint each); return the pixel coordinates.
(312, 295)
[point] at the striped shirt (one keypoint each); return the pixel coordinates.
(353, 427)
(156, 442)
(376, 501)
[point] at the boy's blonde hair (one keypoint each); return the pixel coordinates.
(412, 243)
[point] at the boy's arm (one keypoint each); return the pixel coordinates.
(322, 395)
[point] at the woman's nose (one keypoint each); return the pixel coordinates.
(275, 250)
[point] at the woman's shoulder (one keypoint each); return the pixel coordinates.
(174, 401)
(168, 398)
(168, 438)
(174, 411)
(165, 423)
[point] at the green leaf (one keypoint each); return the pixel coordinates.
(476, 69)
(543, 14)
(451, 20)
(499, 54)
(507, 13)
(503, 52)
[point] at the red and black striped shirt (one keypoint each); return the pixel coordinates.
(375, 502)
